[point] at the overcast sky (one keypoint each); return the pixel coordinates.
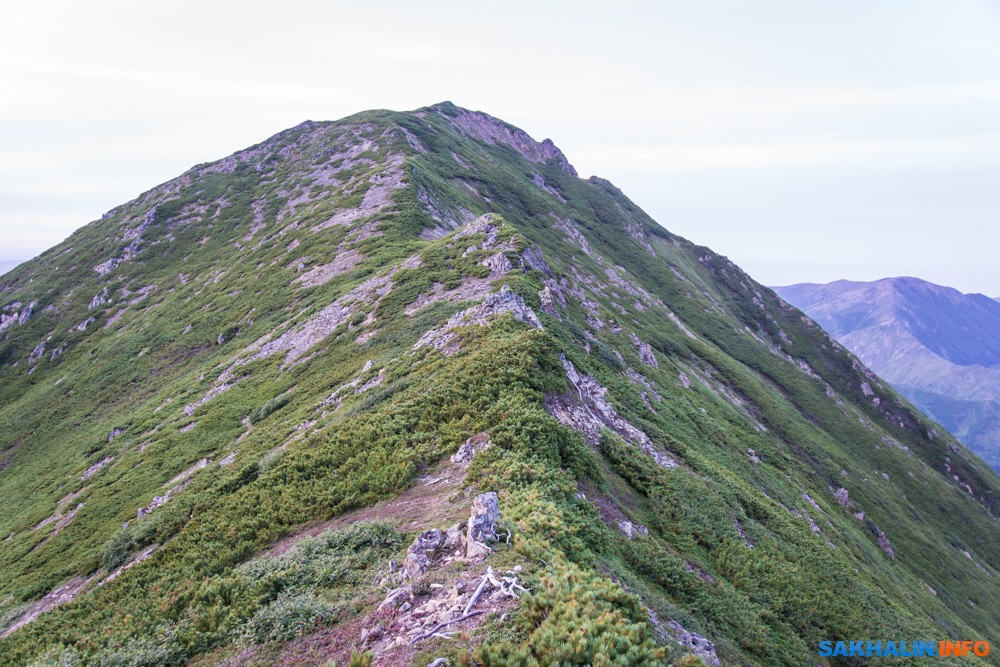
(807, 141)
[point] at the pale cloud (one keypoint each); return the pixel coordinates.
(804, 153)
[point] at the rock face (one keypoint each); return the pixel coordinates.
(470, 448)
(493, 306)
(482, 524)
(695, 644)
(424, 552)
(492, 130)
(632, 530)
(588, 412)
(646, 355)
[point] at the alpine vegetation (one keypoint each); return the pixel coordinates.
(404, 389)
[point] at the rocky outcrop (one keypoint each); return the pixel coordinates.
(95, 468)
(694, 644)
(12, 316)
(632, 530)
(424, 552)
(532, 258)
(482, 524)
(470, 448)
(646, 355)
(493, 306)
(134, 237)
(587, 411)
(492, 130)
(324, 273)
(464, 540)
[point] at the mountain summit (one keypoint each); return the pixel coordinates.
(403, 388)
(938, 347)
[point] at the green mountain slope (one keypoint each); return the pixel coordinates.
(230, 406)
(938, 347)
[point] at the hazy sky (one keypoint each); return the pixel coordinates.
(807, 141)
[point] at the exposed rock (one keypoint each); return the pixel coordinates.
(298, 340)
(492, 130)
(806, 497)
(646, 355)
(695, 644)
(680, 325)
(498, 264)
(454, 539)
(371, 633)
(15, 317)
(37, 353)
(58, 596)
(470, 448)
(548, 302)
(377, 197)
(200, 465)
(470, 289)
(324, 273)
(534, 259)
(573, 234)
(632, 530)
(588, 412)
(883, 542)
(396, 597)
(487, 224)
(424, 552)
(700, 573)
(842, 497)
(494, 305)
(635, 231)
(640, 380)
(94, 469)
(753, 456)
(209, 395)
(742, 533)
(482, 524)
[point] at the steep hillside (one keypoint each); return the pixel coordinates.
(938, 347)
(404, 387)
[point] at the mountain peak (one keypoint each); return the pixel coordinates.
(491, 130)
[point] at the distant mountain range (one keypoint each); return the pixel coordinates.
(938, 347)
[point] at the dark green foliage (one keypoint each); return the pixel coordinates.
(266, 409)
(118, 550)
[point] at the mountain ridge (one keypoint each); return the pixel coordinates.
(317, 327)
(939, 347)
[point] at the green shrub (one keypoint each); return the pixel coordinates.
(269, 407)
(119, 549)
(287, 617)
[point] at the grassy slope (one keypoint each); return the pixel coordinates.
(769, 605)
